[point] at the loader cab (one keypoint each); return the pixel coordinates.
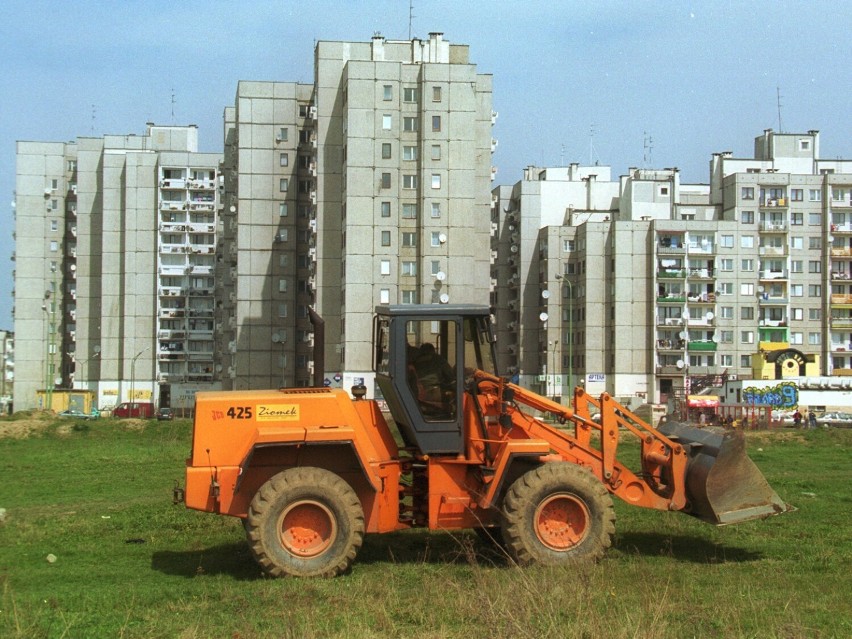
(422, 355)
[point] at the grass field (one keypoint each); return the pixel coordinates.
(96, 498)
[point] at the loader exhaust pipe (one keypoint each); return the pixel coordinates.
(722, 484)
(319, 347)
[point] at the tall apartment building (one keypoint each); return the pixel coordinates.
(370, 186)
(114, 278)
(645, 287)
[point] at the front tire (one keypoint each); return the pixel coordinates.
(558, 513)
(305, 522)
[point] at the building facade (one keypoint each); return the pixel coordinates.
(649, 288)
(115, 241)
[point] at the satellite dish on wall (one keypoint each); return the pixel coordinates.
(680, 363)
(709, 315)
(543, 317)
(545, 294)
(442, 238)
(444, 298)
(276, 338)
(440, 276)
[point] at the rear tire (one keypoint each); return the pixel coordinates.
(558, 513)
(305, 522)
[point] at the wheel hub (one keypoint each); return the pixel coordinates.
(307, 528)
(562, 521)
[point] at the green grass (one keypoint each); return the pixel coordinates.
(128, 563)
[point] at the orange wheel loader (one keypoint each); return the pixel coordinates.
(311, 470)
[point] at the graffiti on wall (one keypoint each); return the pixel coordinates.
(781, 396)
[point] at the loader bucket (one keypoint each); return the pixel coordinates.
(722, 484)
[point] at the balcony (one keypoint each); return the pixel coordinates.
(841, 298)
(671, 344)
(172, 269)
(837, 275)
(201, 269)
(172, 227)
(841, 347)
(670, 370)
(773, 227)
(773, 275)
(765, 323)
(766, 300)
(701, 346)
(841, 252)
(671, 274)
(173, 248)
(772, 251)
(670, 321)
(701, 273)
(171, 291)
(701, 298)
(670, 248)
(678, 298)
(171, 313)
(841, 228)
(171, 334)
(773, 203)
(707, 248)
(702, 321)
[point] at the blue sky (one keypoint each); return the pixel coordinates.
(695, 77)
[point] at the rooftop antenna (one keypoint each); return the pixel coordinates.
(562, 156)
(648, 146)
(778, 96)
(93, 120)
(592, 151)
(173, 106)
(410, 16)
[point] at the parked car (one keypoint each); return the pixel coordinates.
(145, 410)
(77, 414)
(836, 418)
(165, 414)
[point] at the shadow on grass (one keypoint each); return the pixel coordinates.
(681, 548)
(421, 547)
(226, 559)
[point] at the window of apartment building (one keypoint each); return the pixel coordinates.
(409, 181)
(436, 94)
(409, 269)
(386, 180)
(814, 219)
(54, 245)
(814, 290)
(436, 123)
(410, 94)
(436, 209)
(53, 267)
(726, 264)
(282, 310)
(283, 133)
(304, 136)
(387, 92)
(435, 267)
(386, 150)
(409, 297)
(409, 153)
(747, 241)
(814, 314)
(568, 246)
(283, 209)
(726, 312)
(747, 289)
(797, 243)
(797, 219)
(283, 185)
(747, 313)
(410, 124)
(747, 264)
(747, 217)
(726, 288)
(727, 241)
(282, 285)
(386, 238)
(283, 159)
(687, 216)
(726, 360)
(384, 296)
(54, 204)
(305, 186)
(435, 239)
(797, 290)
(838, 195)
(304, 211)
(804, 145)
(303, 110)
(814, 266)
(797, 195)
(384, 267)
(436, 180)
(305, 162)
(282, 235)
(745, 361)
(409, 240)
(747, 193)
(814, 195)
(409, 211)
(54, 225)
(304, 237)
(387, 121)
(797, 338)
(814, 339)
(386, 209)
(727, 337)
(302, 261)
(436, 151)
(815, 243)
(797, 314)
(72, 165)
(747, 337)
(283, 261)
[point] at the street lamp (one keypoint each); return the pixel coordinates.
(133, 377)
(95, 355)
